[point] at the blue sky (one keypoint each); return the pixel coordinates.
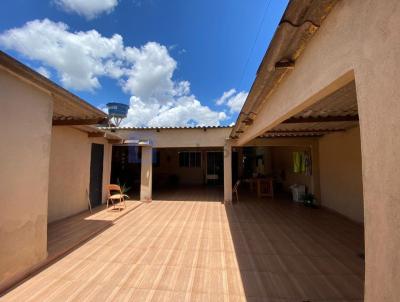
(175, 62)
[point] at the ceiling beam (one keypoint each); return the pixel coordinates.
(284, 64)
(77, 122)
(304, 131)
(294, 135)
(248, 121)
(321, 119)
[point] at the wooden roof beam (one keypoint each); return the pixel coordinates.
(321, 119)
(305, 131)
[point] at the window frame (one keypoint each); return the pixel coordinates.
(189, 158)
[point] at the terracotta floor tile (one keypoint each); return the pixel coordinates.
(205, 251)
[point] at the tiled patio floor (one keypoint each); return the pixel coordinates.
(67, 233)
(206, 251)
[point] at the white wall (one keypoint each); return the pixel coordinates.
(341, 173)
(25, 122)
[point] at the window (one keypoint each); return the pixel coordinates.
(190, 159)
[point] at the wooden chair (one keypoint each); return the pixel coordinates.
(235, 189)
(265, 187)
(119, 197)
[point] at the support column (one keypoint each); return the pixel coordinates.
(227, 173)
(146, 180)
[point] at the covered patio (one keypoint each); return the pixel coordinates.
(192, 250)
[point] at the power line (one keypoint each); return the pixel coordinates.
(254, 43)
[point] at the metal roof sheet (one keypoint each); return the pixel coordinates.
(165, 128)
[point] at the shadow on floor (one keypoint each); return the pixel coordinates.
(287, 251)
(68, 234)
(190, 193)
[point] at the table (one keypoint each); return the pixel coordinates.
(264, 186)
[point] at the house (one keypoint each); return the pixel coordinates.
(326, 89)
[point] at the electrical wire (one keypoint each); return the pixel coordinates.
(254, 43)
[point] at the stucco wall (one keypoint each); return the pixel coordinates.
(341, 173)
(25, 120)
(180, 138)
(70, 171)
(358, 40)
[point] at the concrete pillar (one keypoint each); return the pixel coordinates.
(106, 170)
(146, 174)
(228, 173)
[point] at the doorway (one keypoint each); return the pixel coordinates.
(215, 167)
(96, 174)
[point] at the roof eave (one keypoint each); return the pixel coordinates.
(299, 23)
(22, 71)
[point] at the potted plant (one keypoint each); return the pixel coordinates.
(309, 200)
(124, 188)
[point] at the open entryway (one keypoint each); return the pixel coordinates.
(188, 174)
(313, 159)
(215, 168)
(126, 168)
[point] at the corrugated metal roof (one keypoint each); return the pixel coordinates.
(300, 22)
(165, 128)
(66, 105)
(343, 102)
(336, 112)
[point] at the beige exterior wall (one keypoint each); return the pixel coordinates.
(359, 39)
(341, 173)
(25, 120)
(70, 171)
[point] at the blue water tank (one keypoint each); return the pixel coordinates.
(117, 110)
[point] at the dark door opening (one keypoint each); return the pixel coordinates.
(126, 168)
(215, 167)
(235, 167)
(96, 174)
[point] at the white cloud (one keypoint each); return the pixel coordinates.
(44, 71)
(185, 111)
(236, 102)
(233, 100)
(150, 76)
(87, 8)
(146, 73)
(226, 95)
(79, 57)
